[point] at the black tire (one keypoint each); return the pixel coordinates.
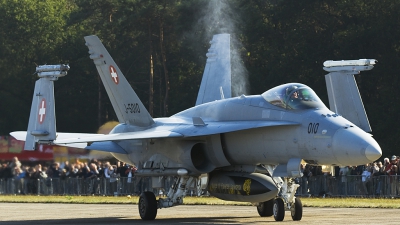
(297, 210)
(279, 209)
(265, 209)
(147, 206)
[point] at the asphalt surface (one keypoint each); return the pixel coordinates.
(39, 213)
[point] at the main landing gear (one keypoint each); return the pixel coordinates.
(148, 204)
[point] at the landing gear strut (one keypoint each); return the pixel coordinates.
(148, 204)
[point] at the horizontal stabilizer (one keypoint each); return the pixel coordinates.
(21, 136)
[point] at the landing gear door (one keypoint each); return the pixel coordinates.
(291, 169)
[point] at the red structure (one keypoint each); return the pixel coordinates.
(10, 147)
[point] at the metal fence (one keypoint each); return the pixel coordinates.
(343, 186)
(81, 186)
(349, 186)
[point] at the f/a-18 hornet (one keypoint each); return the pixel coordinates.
(245, 148)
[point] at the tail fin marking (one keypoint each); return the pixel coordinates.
(127, 105)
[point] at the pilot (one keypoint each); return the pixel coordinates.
(294, 99)
(295, 95)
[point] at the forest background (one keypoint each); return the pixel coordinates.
(161, 46)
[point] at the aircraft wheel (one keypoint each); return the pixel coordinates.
(279, 209)
(147, 206)
(265, 209)
(297, 209)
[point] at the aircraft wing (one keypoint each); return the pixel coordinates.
(81, 140)
(210, 128)
(150, 133)
(182, 130)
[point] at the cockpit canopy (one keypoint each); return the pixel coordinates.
(293, 96)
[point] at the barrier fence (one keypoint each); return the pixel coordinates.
(349, 186)
(81, 186)
(343, 186)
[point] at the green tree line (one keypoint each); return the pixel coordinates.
(160, 46)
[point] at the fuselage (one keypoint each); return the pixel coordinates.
(316, 135)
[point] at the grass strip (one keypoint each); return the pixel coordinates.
(307, 202)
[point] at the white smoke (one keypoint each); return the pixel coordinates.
(219, 17)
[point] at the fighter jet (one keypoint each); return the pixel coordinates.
(245, 148)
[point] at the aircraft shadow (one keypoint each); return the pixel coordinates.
(127, 220)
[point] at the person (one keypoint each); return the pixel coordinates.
(306, 174)
(121, 169)
(366, 178)
(53, 171)
(343, 178)
(293, 98)
(377, 171)
(32, 180)
(106, 175)
(91, 179)
(53, 181)
(391, 170)
(130, 173)
(15, 163)
(398, 175)
(112, 172)
(19, 175)
(106, 172)
(67, 168)
(39, 176)
(100, 169)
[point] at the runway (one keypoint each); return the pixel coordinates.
(48, 213)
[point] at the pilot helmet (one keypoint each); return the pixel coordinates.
(290, 89)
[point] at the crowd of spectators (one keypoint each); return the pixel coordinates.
(364, 177)
(92, 170)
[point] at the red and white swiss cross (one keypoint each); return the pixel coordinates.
(114, 74)
(42, 110)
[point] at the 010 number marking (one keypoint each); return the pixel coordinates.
(313, 128)
(132, 108)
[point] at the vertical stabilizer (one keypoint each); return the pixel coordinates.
(127, 105)
(344, 97)
(42, 119)
(216, 81)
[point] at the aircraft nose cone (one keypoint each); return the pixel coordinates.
(373, 152)
(353, 146)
